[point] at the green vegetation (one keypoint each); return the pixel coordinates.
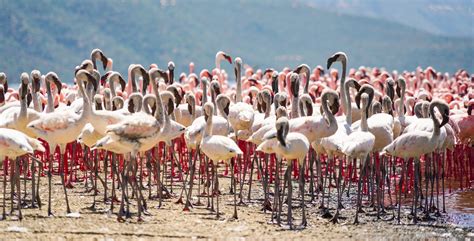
(57, 35)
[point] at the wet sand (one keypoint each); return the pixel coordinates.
(170, 222)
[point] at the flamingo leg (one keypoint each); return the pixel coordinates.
(276, 201)
(400, 186)
(198, 155)
(438, 214)
(255, 157)
(216, 190)
(25, 173)
(302, 182)
(415, 203)
(106, 164)
(442, 181)
(61, 173)
(311, 173)
(122, 201)
(4, 213)
(114, 156)
(149, 167)
(266, 203)
(94, 184)
(33, 183)
(242, 180)
(17, 183)
(12, 184)
(281, 200)
(335, 218)
(235, 191)
(290, 193)
(40, 168)
(325, 210)
(159, 182)
(363, 162)
(188, 204)
(50, 174)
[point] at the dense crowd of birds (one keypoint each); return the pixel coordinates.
(386, 133)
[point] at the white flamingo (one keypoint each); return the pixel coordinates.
(18, 117)
(359, 144)
(416, 143)
(241, 115)
(14, 144)
(291, 146)
(217, 148)
(61, 128)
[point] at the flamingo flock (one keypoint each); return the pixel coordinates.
(406, 136)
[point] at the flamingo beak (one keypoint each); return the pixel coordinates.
(104, 59)
(36, 84)
(24, 90)
(2, 95)
(104, 77)
(357, 99)
(390, 92)
(228, 58)
(122, 83)
(445, 118)
(331, 60)
(334, 107)
(398, 90)
(58, 84)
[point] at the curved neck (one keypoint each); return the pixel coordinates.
(294, 107)
(401, 106)
(112, 88)
(238, 80)
(213, 99)
(345, 97)
(436, 124)
(329, 116)
(159, 113)
(87, 108)
(208, 130)
(363, 119)
(221, 110)
(133, 81)
(306, 85)
(23, 106)
(204, 94)
(268, 108)
(50, 104)
(348, 111)
(36, 103)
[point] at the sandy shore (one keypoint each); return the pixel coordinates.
(170, 222)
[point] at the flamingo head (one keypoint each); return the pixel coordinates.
(2, 95)
(222, 55)
(339, 56)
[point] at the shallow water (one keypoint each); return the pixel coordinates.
(460, 208)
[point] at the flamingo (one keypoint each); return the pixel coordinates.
(359, 144)
(18, 117)
(61, 128)
(416, 143)
(290, 145)
(14, 144)
(218, 148)
(330, 144)
(241, 115)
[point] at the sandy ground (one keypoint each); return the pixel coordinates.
(170, 222)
